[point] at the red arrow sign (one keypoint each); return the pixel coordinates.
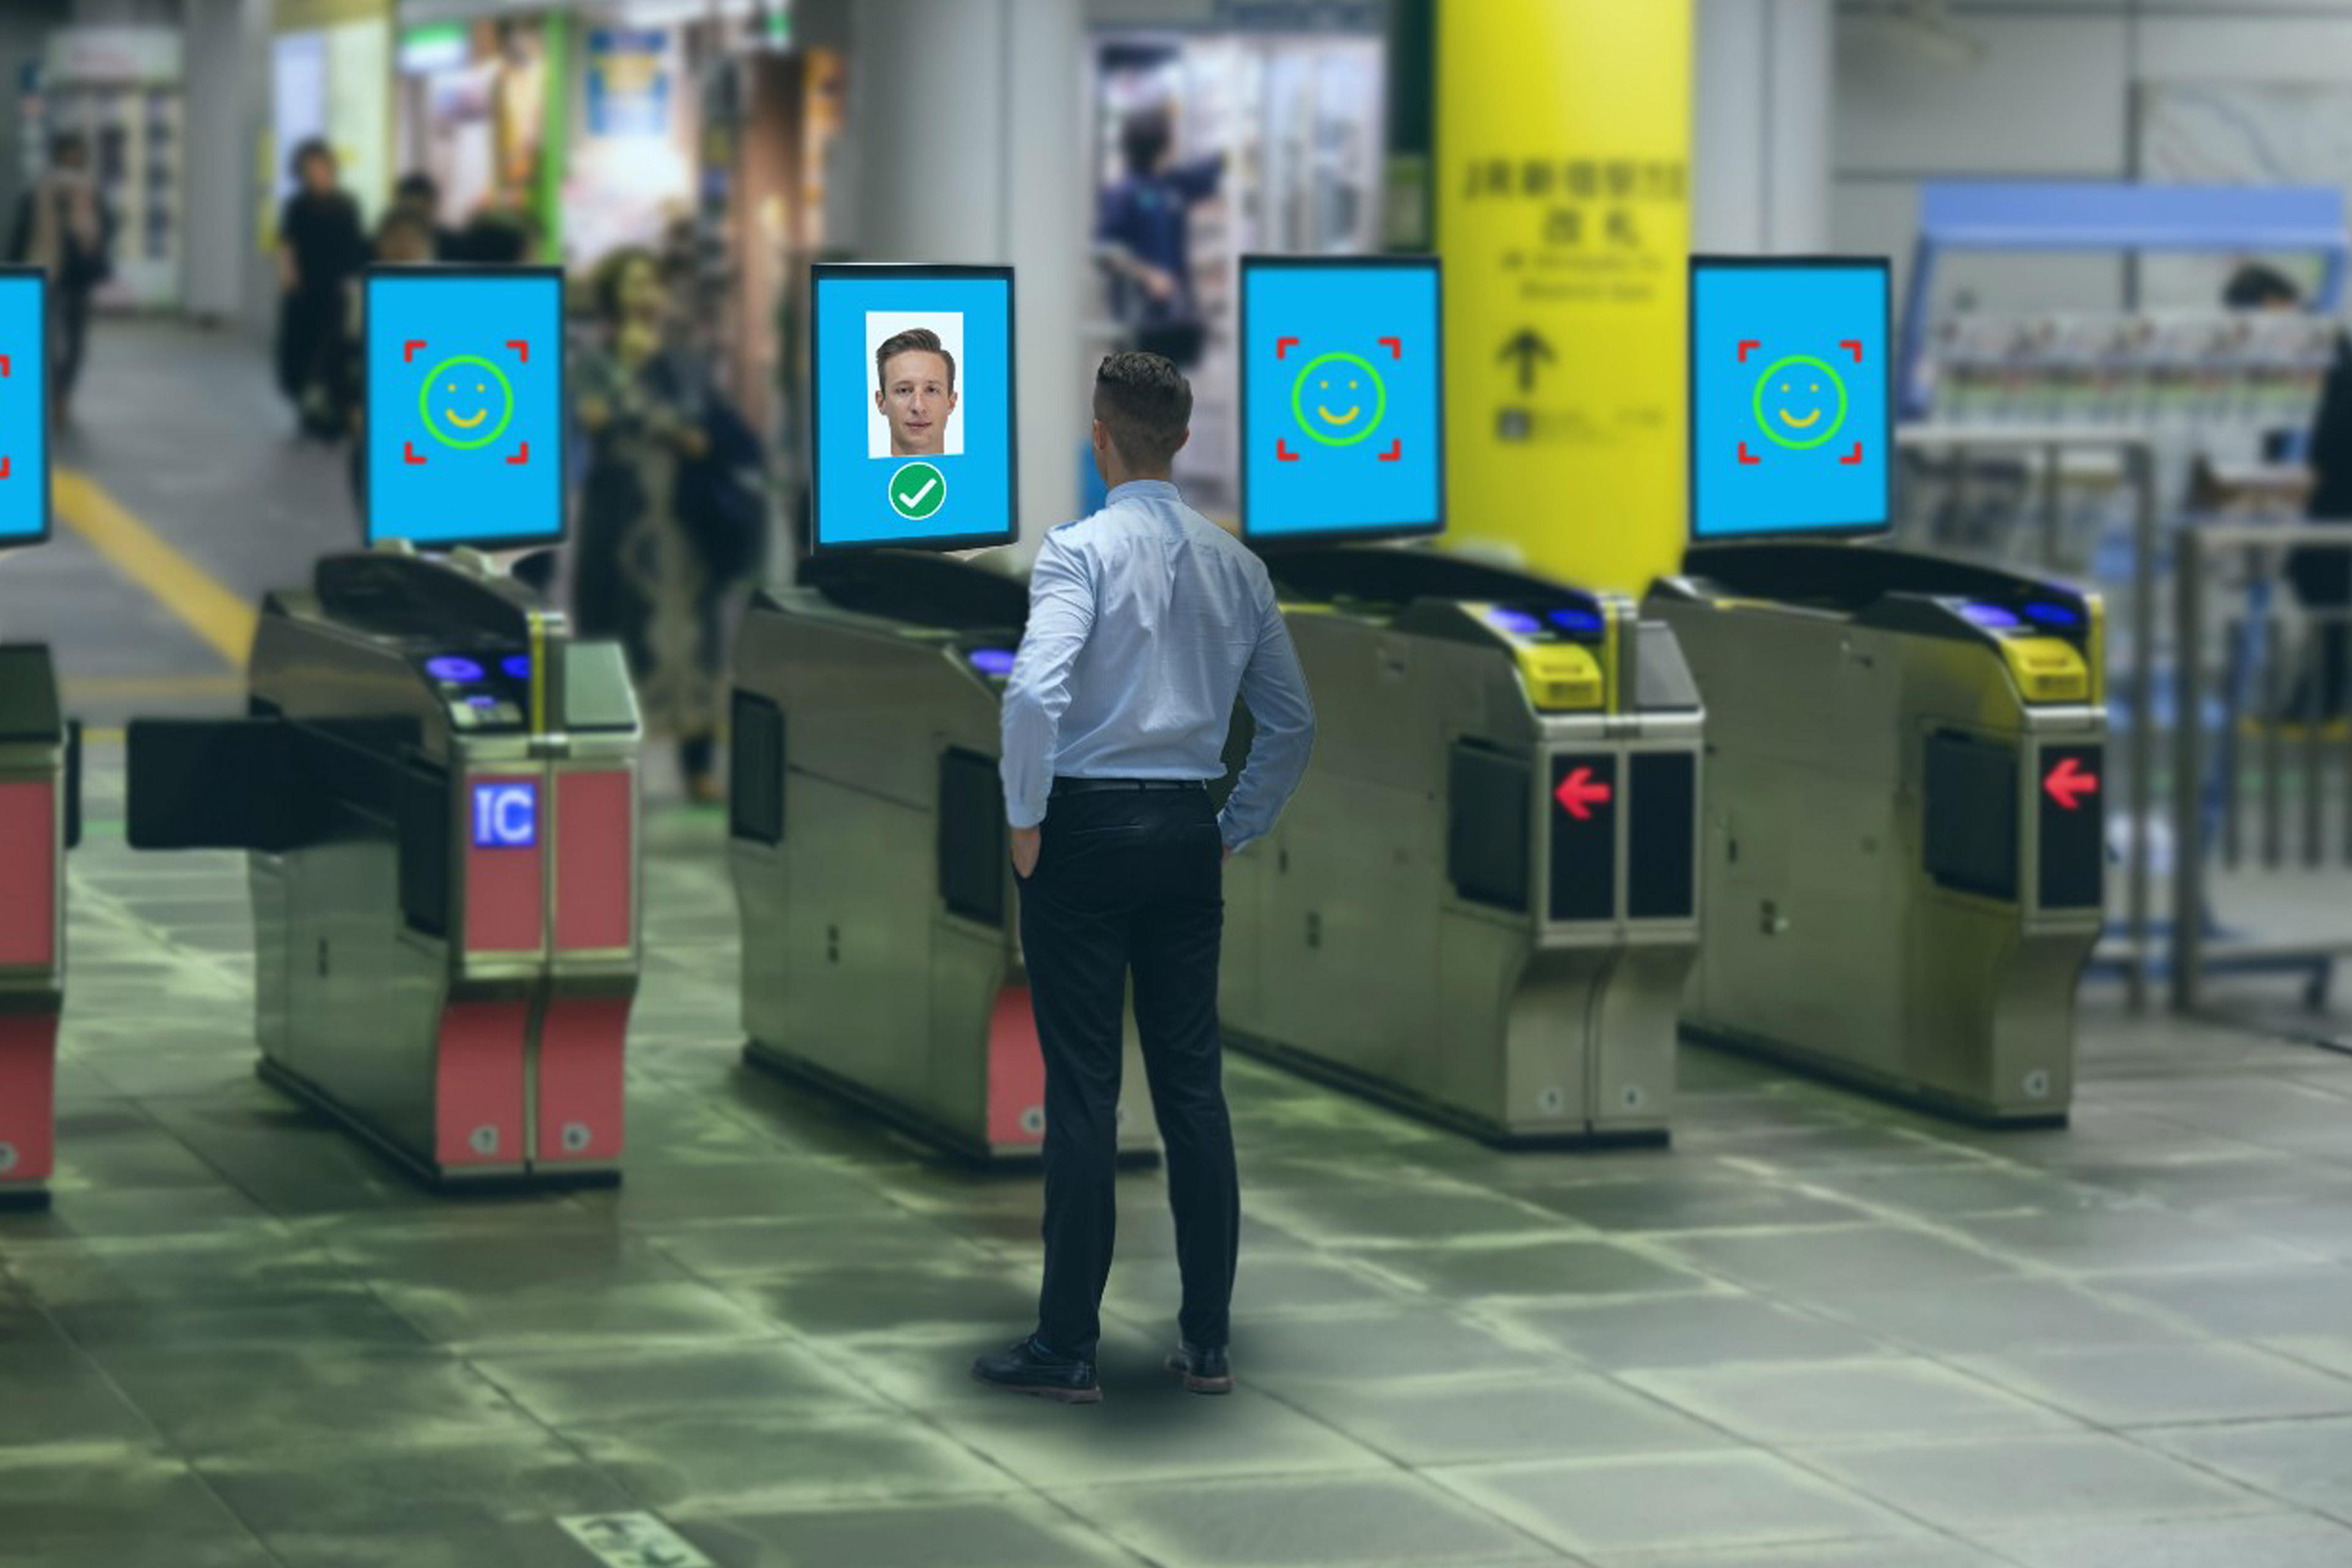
(2069, 785)
(1580, 792)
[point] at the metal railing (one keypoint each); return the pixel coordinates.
(2261, 791)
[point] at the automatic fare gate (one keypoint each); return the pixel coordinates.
(881, 942)
(39, 798)
(1481, 903)
(439, 791)
(39, 758)
(1904, 850)
(1905, 846)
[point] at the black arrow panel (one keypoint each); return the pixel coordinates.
(2072, 870)
(1584, 850)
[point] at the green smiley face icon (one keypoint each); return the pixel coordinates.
(1338, 399)
(463, 392)
(1800, 402)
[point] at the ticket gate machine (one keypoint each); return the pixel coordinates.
(39, 768)
(1481, 904)
(1905, 853)
(881, 930)
(439, 791)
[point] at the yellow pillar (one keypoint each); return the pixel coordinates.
(1562, 216)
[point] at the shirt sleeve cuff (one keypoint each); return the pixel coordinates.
(1014, 814)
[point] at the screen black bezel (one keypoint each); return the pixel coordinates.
(887, 272)
(409, 272)
(1885, 523)
(1367, 533)
(47, 362)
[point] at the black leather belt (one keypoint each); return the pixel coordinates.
(1089, 786)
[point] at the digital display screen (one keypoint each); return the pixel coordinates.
(1791, 412)
(24, 406)
(911, 409)
(506, 816)
(1342, 412)
(465, 406)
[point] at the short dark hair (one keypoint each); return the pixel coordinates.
(913, 340)
(416, 186)
(2255, 286)
(1146, 405)
(399, 220)
(1143, 138)
(310, 147)
(65, 142)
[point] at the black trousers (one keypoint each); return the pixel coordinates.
(1130, 881)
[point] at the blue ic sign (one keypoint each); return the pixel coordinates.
(506, 816)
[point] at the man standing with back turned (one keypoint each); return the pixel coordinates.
(1145, 620)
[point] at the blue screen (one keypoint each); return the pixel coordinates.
(1341, 426)
(506, 816)
(23, 408)
(1791, 426)
(927, 459)
(465, 406)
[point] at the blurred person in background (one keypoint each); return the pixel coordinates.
(1145, 217)
(419, 194)
(321, 247)
(405, 239)
(670, 526)
(2322, 579)
(501, 236)
(63, 228)
(2254, 286)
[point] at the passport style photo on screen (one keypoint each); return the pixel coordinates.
(911, 412)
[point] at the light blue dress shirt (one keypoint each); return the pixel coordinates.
(1144, 621)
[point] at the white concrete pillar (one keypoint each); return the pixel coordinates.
(1761, 152)
(217, 237)
(965, 126)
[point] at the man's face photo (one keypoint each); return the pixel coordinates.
(916, 396)
(915, 392)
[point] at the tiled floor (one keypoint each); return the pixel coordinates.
(1818, 1333)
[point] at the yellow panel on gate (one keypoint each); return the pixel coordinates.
(1563, 218)
(1562, 678)
(2048, 669)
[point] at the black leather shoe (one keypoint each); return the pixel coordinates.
(1203, 1371)
(1028, 1369)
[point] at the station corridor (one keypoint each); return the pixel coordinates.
(1818, 1332)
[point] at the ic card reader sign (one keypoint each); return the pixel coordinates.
(506, 816)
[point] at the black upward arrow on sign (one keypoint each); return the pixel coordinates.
(1529, 350)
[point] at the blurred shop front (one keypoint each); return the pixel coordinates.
(1275, 116)
(121, 89)
(692, 128)
(329, 80)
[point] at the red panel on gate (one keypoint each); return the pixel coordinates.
(478, 1084)
(1016, 1071)
(506, 901)
(28, 1057)
(28, 893)
(594, 825)
(581, 1052)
